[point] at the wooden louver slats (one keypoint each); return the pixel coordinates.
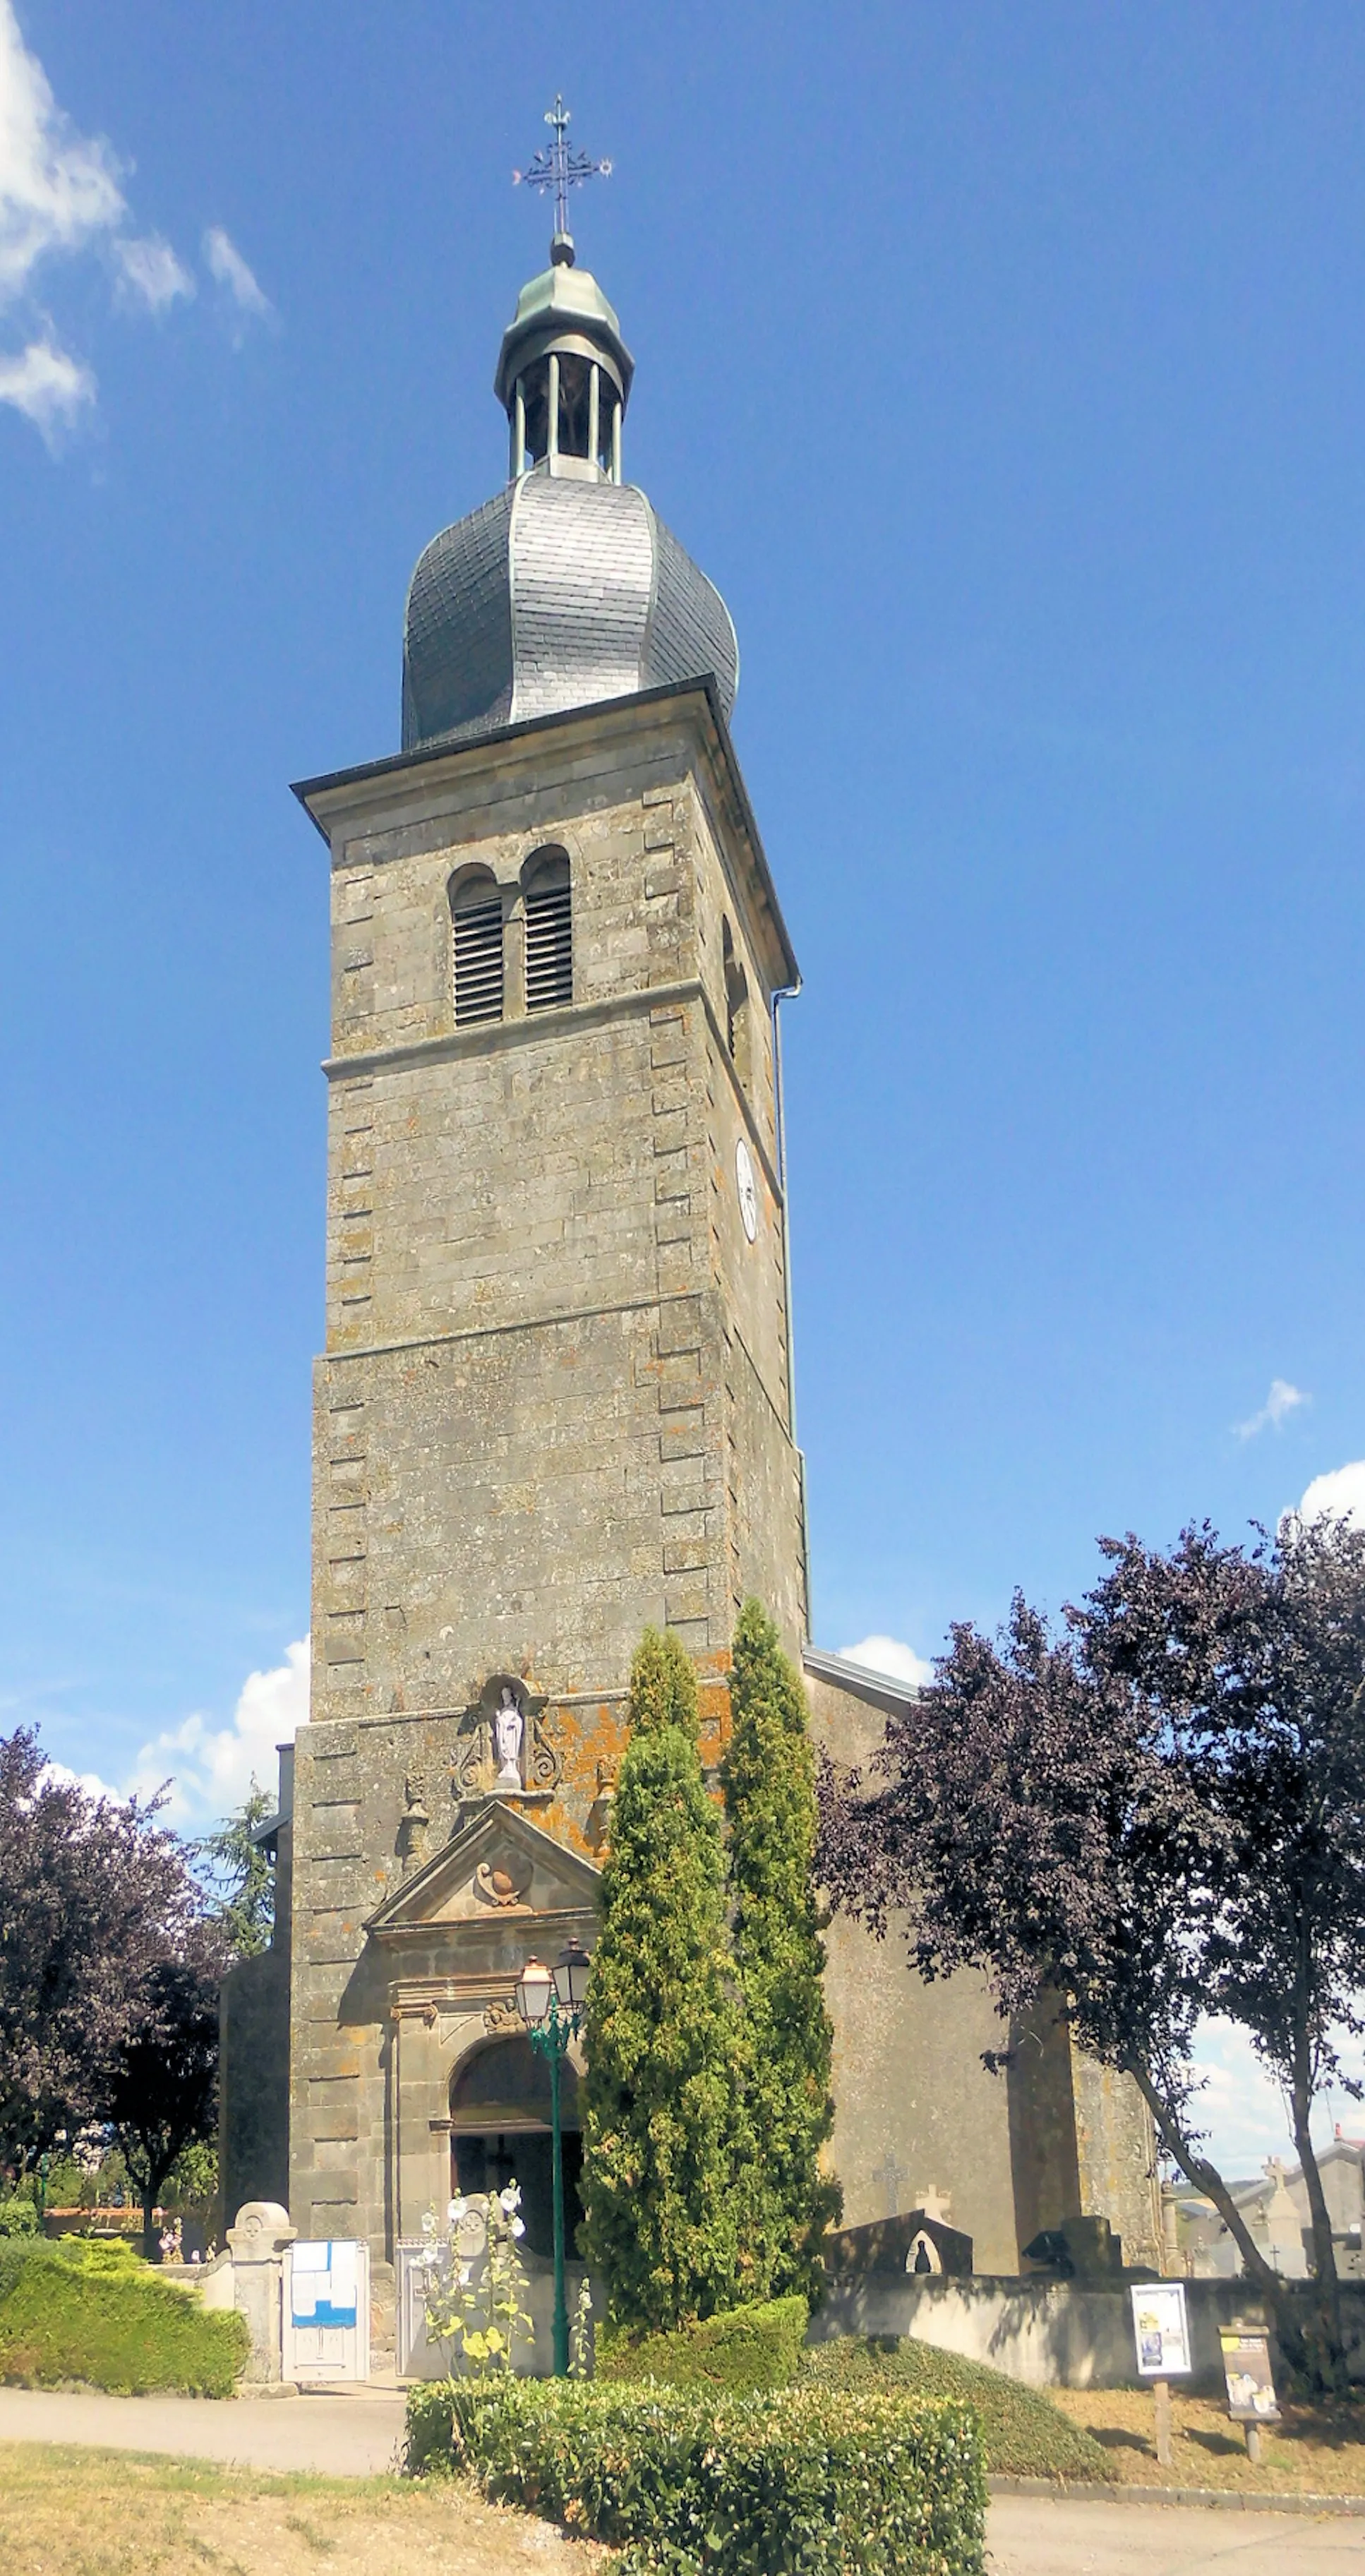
(478, 962)
(549, 946)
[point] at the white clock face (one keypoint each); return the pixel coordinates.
(747, 1187)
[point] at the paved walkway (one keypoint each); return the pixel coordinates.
(356, 2435)
(1031, 2536)
(348, 2437)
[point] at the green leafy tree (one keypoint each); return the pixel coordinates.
(668, 2155)
(163, 2093)
(238, 1878)
(663, 1685)
(768, 1777)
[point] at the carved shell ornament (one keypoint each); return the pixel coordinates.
(502, 1883)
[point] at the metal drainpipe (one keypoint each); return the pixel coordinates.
(552, 409)
(788, 992)
(785, 992)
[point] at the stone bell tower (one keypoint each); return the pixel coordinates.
(554, 1399)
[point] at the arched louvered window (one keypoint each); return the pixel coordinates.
(476, 941)
(736, 1005)
(549, 931)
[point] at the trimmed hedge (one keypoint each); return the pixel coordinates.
(1023, 2435)
(94, 2312)
(744, 2350)
(802, 2482)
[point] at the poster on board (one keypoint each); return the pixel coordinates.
(1246, 2368)
(1161, 2330)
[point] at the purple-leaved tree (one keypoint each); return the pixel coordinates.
(95, 1897)
(1157, 1815)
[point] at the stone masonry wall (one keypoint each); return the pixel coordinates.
(915, 2109)
(1056, 2136)
(553, 1402)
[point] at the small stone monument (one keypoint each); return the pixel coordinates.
(257, 2244)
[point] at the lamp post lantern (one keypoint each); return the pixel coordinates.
(550, 2002)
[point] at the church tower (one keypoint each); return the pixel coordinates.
(554, 1403)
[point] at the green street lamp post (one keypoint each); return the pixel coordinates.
(550, 2002)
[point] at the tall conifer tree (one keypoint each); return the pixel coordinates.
(667, 2154)
(769, 1783)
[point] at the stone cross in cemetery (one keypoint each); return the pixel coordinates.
(935, 2204)
(891, 2174)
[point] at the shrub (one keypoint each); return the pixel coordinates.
(808, 2479)
(768, 1777)
(663, 1685)
(18, 2216)
(745, 2350)
(1023, 2435)
(92, 2311)
(668, 2151)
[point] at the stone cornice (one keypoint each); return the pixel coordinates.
(492, 1037)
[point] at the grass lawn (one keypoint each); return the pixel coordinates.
(1316, 2450)
(69, 2512)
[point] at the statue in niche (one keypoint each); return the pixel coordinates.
(509, 1726)
(503, 1744)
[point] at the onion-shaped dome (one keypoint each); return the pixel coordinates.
(567, 588)
(555, 595)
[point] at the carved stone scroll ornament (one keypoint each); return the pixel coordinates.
(503, 1884)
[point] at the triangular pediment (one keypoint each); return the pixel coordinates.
(498, 1868)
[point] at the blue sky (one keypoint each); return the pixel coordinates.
(1005, 369)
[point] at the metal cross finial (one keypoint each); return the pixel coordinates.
(560, 167)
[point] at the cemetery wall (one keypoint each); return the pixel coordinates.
(1050, 2334)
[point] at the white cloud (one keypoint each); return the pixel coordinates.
(887, 1655)
(1282, 1400)
(89, 1781)
(211, 1768)
(150, 274)
(59, 189)
(1242, 2109)
(50, 388)
(225, 263)
(61, 194)
(1340, 1493)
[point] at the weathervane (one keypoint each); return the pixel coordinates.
(557, 165)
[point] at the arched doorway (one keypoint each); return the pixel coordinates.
(500, 2133)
